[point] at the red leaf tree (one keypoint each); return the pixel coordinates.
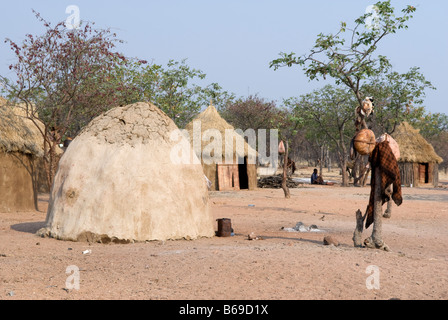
(64, 78)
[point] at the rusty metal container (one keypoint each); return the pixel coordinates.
(224, 227)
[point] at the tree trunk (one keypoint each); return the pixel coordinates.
(321, 162)
(357, 240)
(388, 213)
(376, 239)
(364, 181)
(356, 170)
(344, 172)
(285, 173)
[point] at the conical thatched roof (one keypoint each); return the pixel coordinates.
(413, 147)
(18, 134)
(211, 120)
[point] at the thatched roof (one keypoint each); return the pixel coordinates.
(413, 147)
(18, 134)
(211, 120)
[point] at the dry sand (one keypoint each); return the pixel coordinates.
(280, 266)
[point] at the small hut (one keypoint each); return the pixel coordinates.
(20, 147)
(418, 163)
(238, 173)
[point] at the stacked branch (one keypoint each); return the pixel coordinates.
(275, 182)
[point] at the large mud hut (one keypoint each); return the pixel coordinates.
(418, 163)
(116, 183)
(21, 147)
(241, 171)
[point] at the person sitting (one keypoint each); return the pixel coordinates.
(314, 177)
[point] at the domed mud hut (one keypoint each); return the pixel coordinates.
(418, 163)
(238, 173)
(117, 183)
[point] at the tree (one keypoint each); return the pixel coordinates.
(174, 90)
(251, 112)
(327, 113)
(398, 98)
(254, 112)
(63, 79)
(349, 58)
(350, 61)
(434, 128)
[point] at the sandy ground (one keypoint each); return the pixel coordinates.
(281, 265)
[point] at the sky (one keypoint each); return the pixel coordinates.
(233, 41)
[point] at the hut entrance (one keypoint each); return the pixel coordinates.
(242, 172)
(423, 172)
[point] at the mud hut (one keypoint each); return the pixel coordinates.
(116, 183)
(20, 148)
(418, 163)
(234, 168)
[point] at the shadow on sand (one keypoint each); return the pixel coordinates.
(28, 227)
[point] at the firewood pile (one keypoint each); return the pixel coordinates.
(275, 182)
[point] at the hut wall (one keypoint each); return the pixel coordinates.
(435, 174)
(228, 177)
(407, 173)
(416, 175)
(431, 173)
(252, 176)
(16, 183)
(211, 173)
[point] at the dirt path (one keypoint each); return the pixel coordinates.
(284, 265)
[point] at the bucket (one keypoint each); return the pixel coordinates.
(224, 227)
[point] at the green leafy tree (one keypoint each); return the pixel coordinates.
(326, 114)
(176, 91)
(349, 55)
(398, 98)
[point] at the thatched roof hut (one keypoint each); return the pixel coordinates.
(20, 146)
(232, 165)
(17, 133)
(419, 163)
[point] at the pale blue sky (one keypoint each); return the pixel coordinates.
(234, 41)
